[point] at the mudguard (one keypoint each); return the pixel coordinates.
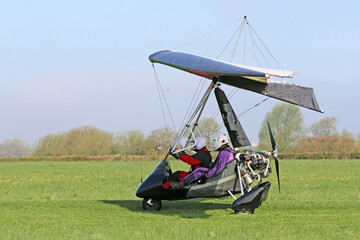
(253, 199)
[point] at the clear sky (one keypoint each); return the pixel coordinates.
(67, 64)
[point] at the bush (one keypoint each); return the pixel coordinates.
(319, 155)
(84, 158)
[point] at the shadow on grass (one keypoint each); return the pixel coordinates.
(194, 208)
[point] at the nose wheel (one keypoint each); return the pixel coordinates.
(244, 211)
(150, 204)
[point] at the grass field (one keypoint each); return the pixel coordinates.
(96, 200)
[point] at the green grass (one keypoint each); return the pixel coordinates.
(96, 200)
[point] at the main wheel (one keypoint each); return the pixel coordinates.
(244, 211)
(150, 204)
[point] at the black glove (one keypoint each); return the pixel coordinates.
(175, 155)
(202, 180)
(178, 154)
(211, 165)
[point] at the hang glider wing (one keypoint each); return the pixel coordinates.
(250, 78)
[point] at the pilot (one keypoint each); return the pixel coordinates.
(219, 143)
(201, 159)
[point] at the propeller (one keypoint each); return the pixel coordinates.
(274, 154)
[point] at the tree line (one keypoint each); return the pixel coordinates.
(90, 141)
(322, 139)
(286, 120)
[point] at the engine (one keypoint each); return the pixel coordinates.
(255, 166)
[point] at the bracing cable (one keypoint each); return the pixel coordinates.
(255, 46)
(232, 93)
(237, 40)
(268, 64)
(228, 43)
(160, 90)
(198, 94)
(242, 113)
(251, 30)
(190, 105)
(193, 101)
(244, 53)
(268, 51)
(241, 29)
(247, 110)
(216, 112)
(207, 34)
(159, 95)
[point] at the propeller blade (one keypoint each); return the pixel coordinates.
(275, 150)
(277, 171)
(273, 143)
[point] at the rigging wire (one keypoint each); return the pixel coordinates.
(160, 90)
(237, 40)
(192, 104)
(197, 93)
(216, 112)
(268, 51)
(267, 62)
(159, 95)
(232, 93)
(228, 42)
(244, 53)
(275, 62)
(193, 101)
(242, 113)
(254, 45)
(235, 90)
(207, 34)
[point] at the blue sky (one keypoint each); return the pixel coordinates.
(66, 64)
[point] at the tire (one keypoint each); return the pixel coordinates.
(244, 211)
(149, 204)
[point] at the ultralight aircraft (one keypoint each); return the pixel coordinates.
(245, 174)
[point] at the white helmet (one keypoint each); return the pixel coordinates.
(200, 142)
(219, 140)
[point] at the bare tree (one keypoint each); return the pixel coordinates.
(14, 148)
(287, 125)
(129, 143)
(325, 127)
(87, 141)
(208, 128)
(160, 140)
(50, 145)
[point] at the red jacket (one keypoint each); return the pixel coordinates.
(200, 159)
